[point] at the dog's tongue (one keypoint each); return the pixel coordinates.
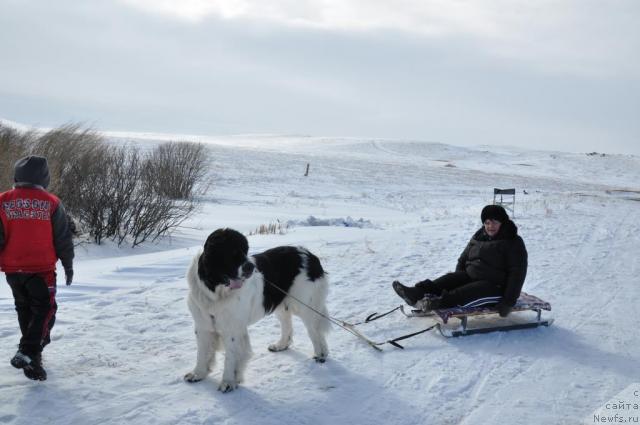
(235, 283)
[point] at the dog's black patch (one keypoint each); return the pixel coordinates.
(314, 268)
(280, 266)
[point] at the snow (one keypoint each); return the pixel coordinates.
(124, 337)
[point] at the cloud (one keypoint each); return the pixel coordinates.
(453, 75)
(579, 37)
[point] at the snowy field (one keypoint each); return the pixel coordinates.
(124, 338)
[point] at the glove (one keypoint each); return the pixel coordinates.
(68, 274)
(504, 309)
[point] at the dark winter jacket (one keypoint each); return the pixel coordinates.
(501, 260)
(34, 228)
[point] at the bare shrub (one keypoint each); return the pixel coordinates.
(114, 192)
(120, 200)
(153, 214)
(101, 186)
(63, 147)
(13, 146)
(178, 168)
(87, 189)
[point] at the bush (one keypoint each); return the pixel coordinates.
(153, 214)
(100, 196)
(114, 192)
(13, 145)
(178, 168)
(64, 147)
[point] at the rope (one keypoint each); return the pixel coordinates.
(400, 338)
(376, 316)
(340, 323)
(349, 326)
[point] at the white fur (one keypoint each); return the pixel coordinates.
(222, 319)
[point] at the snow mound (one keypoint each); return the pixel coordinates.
(336, 222)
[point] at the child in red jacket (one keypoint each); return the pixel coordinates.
(34, 234)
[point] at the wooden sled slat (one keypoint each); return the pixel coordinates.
(526, 302)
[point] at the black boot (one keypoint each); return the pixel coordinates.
(21, 360)
(411, 295)
(34, 370)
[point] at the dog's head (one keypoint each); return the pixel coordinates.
(224, 260)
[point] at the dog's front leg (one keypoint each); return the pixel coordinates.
(206, 341)
(237, 354)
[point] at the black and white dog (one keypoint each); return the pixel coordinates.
(228, 291)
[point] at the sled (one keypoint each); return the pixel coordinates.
(526, 303)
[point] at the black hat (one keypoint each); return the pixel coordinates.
(32, 169)
(494, 212)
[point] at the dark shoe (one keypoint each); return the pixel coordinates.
(428, 304)
(34, 370)
(411, 295)
(21, 360)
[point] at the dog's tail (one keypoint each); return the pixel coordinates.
(317, 275)
(325, 324)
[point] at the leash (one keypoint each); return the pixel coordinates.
(400, 338)
(376, 316)
(340, 323)
(350, 327)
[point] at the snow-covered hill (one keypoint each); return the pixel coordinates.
(124, 337)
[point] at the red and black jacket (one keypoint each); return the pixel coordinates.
(34, 231)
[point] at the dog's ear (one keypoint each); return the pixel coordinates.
(202, 268)
(243, 244)
(215, 238)
(237, 239)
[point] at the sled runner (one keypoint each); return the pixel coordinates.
(525, 303)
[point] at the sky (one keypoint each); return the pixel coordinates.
(553, 75)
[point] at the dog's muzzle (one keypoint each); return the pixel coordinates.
(245, 272)
(247, 269)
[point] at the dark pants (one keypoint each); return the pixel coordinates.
(35, 300)
(458, 289)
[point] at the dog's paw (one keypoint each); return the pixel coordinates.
(274, 348)
(193, 377)
(320, 359)
(226, 386)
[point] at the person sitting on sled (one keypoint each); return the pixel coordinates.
(491, 270)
